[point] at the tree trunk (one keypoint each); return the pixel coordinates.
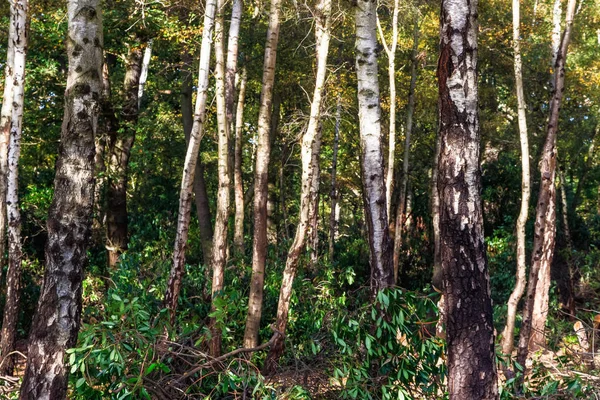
(261, 178)
(333, 193)
(219, 250)
(369, 114)
(521, 278)
(311, 147)
(436, 279)
(238, 235)
(469, 325)
(56, 321)
(18, 21)
(535, 310)
(410, 109)
(564, 279)
(5, 123)
(313, 210)
(189, 167)
(391, 54)
(199, 186)
(120, 146)
(587, 167)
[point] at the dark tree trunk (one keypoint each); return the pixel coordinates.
(120, 145)
(469, 325)
(333, 193)
(56, 321)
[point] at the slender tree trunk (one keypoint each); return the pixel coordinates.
(333, 193)
(18, 18)
(219, 250)
(536, 303)
(369, 114)
(199, 186)
(259, 244)
(230, 74)
(238, 235)
(587, 167)
(120, 150)
(56, 321)
(556, 31)
(436, 279)
(311, 147)
(189, 167)
(391, 54)
(469, 325)
(410, 109)
(313, 212)
(521, 278)
(144, 71)
(5, 122)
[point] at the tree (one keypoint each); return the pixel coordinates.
(521, 278)
(219, 250)
(119, 152)
(311, 146)
(56, 321)
(369, 114)
(189, 167)
(238, 234)
(469, 326)
(535, 310)
(261, 180)
(410, 110)
(18, 33)
(333, 192)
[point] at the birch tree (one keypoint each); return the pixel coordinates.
(261, 180)
(535, 310)
(238, 234)
(521, 278)
(469, 325)
(369, 114)
(311, 145)
(18, 46)
(56, 322)
(219, 249)
(189, 166)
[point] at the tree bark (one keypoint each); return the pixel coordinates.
(333, 193)
(238, 234)
(5, 122)
(219, 250)
(120, 145)
(56, 321)
(469, 325)
(369, 114)
(521, 276)
(189, 167)
(535, 309)
(18, 20)
(259, 244)
(563, 275)
(410, 109)
(199, 185)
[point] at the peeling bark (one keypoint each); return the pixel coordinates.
(261, 178)
(469, 325)
(56, 321)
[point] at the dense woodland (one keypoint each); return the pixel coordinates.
(300, 200)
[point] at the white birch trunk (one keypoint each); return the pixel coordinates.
(144, 71)
(189, 167)
(238, 234)
(369, 114)
(263, 152)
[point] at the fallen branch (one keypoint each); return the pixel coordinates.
(243, 350)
